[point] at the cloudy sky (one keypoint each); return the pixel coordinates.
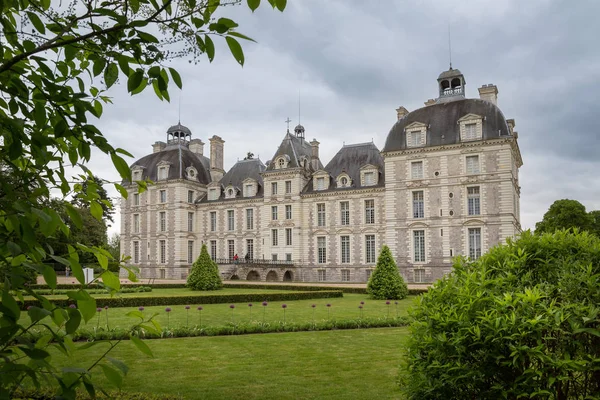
(355, 61)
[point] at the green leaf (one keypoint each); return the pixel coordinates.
(102, 260)
(121, 190)
(135, 314)
(9, 305)
(74, 215)
(228, 23)
(176, 77)
(96, 210)
(143, 347)
(135, 5)
(99, 65)
(210, 47)
(119, 364)
(74, 321)
(111, 74)
(241, 36)
(253, 4)
(87, 308)
(37, 314)
(135, 80)
(236, 50)
(111, 280)
(281, 4)
(112, 375)
(37, 22)
(121, 166)
(49, 276)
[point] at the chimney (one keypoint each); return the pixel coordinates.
(489, 93)
(158, 146)
(430, 102)
(197, 146)
(511, 125)
(216, 158)
(314, 159)
(401, 112)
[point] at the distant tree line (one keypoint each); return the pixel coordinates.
(569, 214)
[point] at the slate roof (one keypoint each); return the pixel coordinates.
(350, 159)
(179, 128)
(442, 121)
(241, 171)
(451, 73)
(294, 147)
(171, 155)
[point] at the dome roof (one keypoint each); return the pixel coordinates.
(171, 156)
(179, 128)
(451, 73)
(299, 128)
(442, 122)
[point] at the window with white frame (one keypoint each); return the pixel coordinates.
(418, 204)
(274, 213)
(419, 275)
(472, 164)
(288, 256)
(281, 163)
(369, 178)
(288, 211)
(231, 249)
(136, 252)
(321, 275)
(370, 254)
(416, 170)
(230, 220)
(249, 190)
(162, 173)
(213, 221)
(190, 222)
(249, 218)
(274, 237)
(190, 196)
(288, 187)
(470, 132)
(474, 243)
(163, 273)
(345, 275)
(321, 183)
(213, 194)
(369, 211)
(136, 223)
(415, 138)
(213, 249)
(162, 194)
(321, 250)
(473, 200)
(419, 246)
(288, 236)
(162, 251)
(162, 221)
(344, 182)
(345, 248)
(136, 199)
(344, 213)
(274, 257)
(321, 214)
(273, 188)
(250, 249)
(190, 252)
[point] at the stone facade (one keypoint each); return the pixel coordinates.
(445, 185)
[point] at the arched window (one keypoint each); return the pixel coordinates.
(281, 163)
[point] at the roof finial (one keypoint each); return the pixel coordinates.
(449, 46)
(288, 120)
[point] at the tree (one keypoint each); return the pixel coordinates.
(385, 282)
(520, 322)
(56, 64)
(93, 189)
(205, 273)
(114, 246)
(564, 214)
(595, 222)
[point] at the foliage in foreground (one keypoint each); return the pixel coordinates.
(385, 282)
(49, 394)
(205, 273)
(521, 322)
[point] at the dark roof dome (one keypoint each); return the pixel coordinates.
(179, 160)
(451, 73)
(299, 128)
(179, 128)
(442, 123)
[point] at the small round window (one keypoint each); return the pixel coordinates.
(451, 195)
(451, 213)
(344, 181)
(437, 173)
(192, 173)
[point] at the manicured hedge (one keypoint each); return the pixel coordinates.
(136, 289)
(197, 299)
(49, 394)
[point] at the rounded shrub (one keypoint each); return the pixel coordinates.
(523, 321)
(205, 273)
(385, 282)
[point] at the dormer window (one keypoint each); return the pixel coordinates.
(470, 127)
(321, 180)
(369, 175)
(230, 192)
(416, 134)
(192, 173)
(320, 183)
(213, 194)
(249, 186)
(282, 162)
(343, 181)
(162, 173)
(136, 174)
(369, 178)
(249, 190)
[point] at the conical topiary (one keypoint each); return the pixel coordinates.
(205, 273)
(385, 282)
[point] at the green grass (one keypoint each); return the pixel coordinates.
(357, 364)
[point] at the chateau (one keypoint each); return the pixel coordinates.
(446, 183)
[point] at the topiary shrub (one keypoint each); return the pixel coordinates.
(520, 322)
(205, 273)
(385, 282)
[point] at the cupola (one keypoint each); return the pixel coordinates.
(179, 134)
(451, 84)
(299, 130)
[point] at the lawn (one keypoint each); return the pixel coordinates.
(356, 364)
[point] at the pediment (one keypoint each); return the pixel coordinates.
(470, 117)
(418, 224)
(369, 166)
(248, 181)
(163, 163)
(321, 172)
(474, 221)
(415, 125)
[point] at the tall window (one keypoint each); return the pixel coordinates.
(136, 252)
(345, 275)
(274, 213)
(415, 138)
(213, 221)
(322, 275)
(136, 223)
(370, 249)
(136, 199)
(474, 243)
(213, 249)
(369, 178)
(288, 256)
(230, 220)
(249, 191)
(470, 132)
(321, 214)
(249, 218)
(190, 196)
(274, 237)
(416, 170)
(288, 211)
(320, 183)
(288, 236)
(419, 246)
(231, 249)
(163, 196)
(473, 200)
(472, 164)
(162, 221)
(321, 250)
(418, 205)
(369, 211)
(190, 252)
(345, 245)
(345, 213)
(250, 248)
(162, 173)
(273, 188)
(162, 251)
(190, 221)
(288, 187)
(419, 275)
